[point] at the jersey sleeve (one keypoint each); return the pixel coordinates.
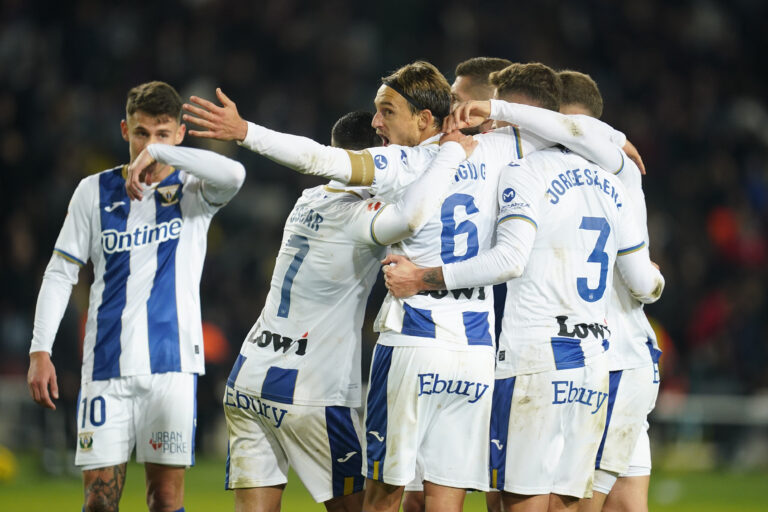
(520, 195)
(386, 223)
(396, 167)
(60, 275)
(221, 177)
(589, 137)
(643, 280)
(74, 241)
(382, 168)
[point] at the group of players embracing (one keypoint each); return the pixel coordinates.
(506, 178)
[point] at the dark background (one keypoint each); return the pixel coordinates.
(684, 79)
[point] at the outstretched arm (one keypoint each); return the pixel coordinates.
(298, 153)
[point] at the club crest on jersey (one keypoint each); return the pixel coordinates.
(169, 194)
(380, 161)
(85, 441)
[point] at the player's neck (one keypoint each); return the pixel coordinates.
(428, 134)
(161, 173)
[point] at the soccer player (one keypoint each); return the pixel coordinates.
(291, 395)
(432, 339)
(144, 227)
(562, 222)
(471, 83)
(623, 465)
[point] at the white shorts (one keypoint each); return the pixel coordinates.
(322, 444)
(631, 397)
(546, 428)
(427, 414)
(156, 413)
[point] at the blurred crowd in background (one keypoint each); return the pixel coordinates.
(683, 79)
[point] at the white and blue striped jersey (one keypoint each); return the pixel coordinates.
(144, 305)
(555, 312)
(464, 225)
(633, 342)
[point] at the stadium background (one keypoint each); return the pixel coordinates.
(685, 80)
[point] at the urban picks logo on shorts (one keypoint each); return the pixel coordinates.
(432, 384)
(168, 442)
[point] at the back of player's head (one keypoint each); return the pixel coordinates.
(480, 68)
(580, 89)
(536, 81)
(353, 131)
(423, 87)
(157, 99)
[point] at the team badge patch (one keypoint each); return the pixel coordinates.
(85, 441)
(508, 195)
(380, 161)
(169, 194)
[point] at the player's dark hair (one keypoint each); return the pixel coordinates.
(353, 131)
(156, 98)
(579, 88)
(480, 68)
(535, 80)
(423, 87)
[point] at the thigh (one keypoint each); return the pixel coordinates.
(165, 416)
(255, 457)
(632, 395)
(104, 423)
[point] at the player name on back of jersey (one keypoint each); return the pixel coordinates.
(307, 217)
(580, 178)
(118, 241)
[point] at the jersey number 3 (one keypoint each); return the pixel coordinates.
(302, 244)
(598, 255)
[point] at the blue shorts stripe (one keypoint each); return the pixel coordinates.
(162, 317)
(613, 388)
(279, 385)
(477, 328)
(376, 412)
(194, 423)
(500, 411)
(568, 353)
(117, 268)
(346, 452)
(418, 322)
(235, 370)
(226, 470)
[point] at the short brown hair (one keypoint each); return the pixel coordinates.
(535, 80)
(425, 85)
(580, 88)
(480, 68)
(156, 98)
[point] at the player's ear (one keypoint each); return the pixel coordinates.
(124, 129)
(180, 132)
(425, 119)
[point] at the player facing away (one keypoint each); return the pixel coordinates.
(561, 223)
(144, 227)
(623, 464)
(406, 117)
(291, 394)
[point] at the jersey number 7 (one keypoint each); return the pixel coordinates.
(302, 244)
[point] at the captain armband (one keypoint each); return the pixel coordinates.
(363, 169)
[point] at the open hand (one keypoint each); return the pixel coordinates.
(467, 114)
(221, 123)
(41, 375)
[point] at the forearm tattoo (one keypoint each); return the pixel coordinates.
(103, 494)
(433, 279)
